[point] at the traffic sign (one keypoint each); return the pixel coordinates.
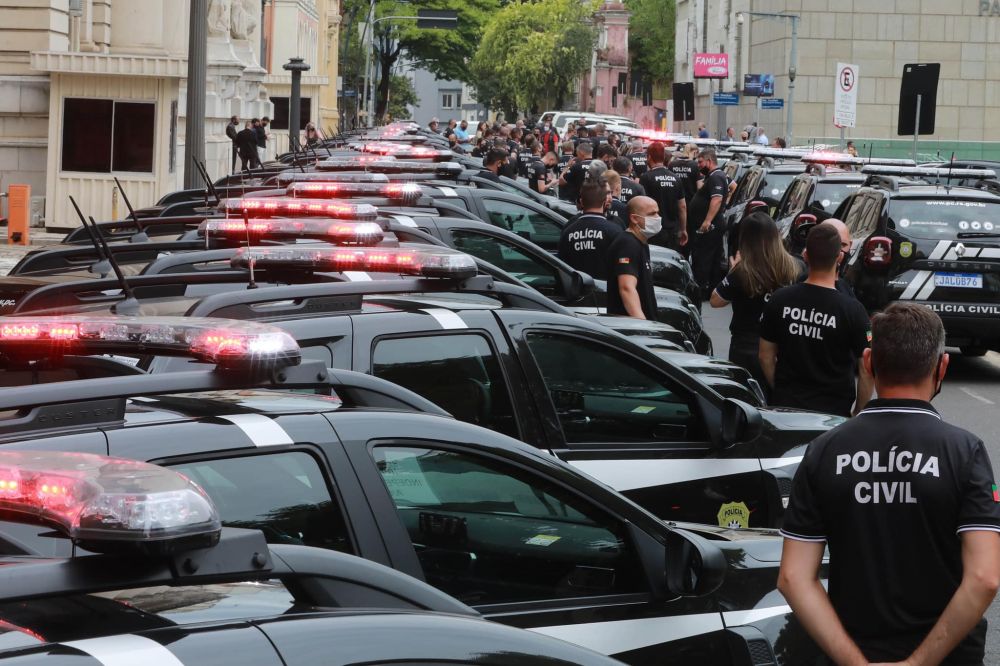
(845, 96)
(772, 103)
(726, 99)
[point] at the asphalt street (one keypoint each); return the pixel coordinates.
(970, 398)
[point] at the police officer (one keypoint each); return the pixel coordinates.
(540, 176)
(584, 242)
(910, 509)
(812, 337)
(685, 165)
(638, 157)
(705, 223)
(494, 163)
(630, 282)
(662, 186)
(573, 176)
(525, 156)
(630, 188)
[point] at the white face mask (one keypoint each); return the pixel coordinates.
(653, 226)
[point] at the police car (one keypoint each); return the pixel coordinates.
(815, 195)
(500, 356)
(509, 530)
(915, 238)
(154, 578)
(765, 181)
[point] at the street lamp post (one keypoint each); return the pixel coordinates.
(792, 65)
(296, 66)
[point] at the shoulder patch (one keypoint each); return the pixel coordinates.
(624, 260)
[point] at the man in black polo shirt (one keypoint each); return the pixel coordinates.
(584, 242)
(494, 162)
(630, 275)
(630, 188)
(705, 223)
(638, 158)
(663, 187)
(812, 336)
(540, 176)
(910, 509)
(575, 172)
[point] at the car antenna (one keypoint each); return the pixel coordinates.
(951, 165)
(102, 266)
(246, 225)
(130, 305)
(295, 157)
(209, 187)
(141, 236)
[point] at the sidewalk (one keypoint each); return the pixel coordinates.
(11, 254)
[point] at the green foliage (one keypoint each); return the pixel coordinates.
(651, 37)
(401, 94)
(532, 52)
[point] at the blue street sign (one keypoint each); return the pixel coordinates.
(772, 103)
(725, 99)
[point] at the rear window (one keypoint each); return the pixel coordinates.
(775, 184)
(831, 195)
(944, 219)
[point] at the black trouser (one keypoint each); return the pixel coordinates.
(706, 259)
(232, 169)
(743, 351)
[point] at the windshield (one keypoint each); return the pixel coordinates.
(830, 195)
(944, 219)
(775, 184)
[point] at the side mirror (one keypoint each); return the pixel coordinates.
(695, 566)
(577, 285)
(740, 422)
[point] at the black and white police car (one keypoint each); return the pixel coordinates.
(916, 238)
(523, 538)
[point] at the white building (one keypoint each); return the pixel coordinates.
(93, 89)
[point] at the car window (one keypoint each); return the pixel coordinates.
(830, 195)
(610, 397)
(486, 532)
(944, 219)
(523, 221)
(282, 494)
(459, 373)
(794, 200)
(748, 188)
(775, 184)
(869, 216)
(852, 216)
(510, 258)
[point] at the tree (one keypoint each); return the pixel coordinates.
(401, 96)
(651, 38)
(532, 53)
(444, 52)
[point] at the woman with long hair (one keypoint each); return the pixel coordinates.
(761, 267)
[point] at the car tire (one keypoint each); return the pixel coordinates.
(970, 350)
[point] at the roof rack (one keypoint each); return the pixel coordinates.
(938, 173)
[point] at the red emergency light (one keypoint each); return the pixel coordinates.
(291, 207)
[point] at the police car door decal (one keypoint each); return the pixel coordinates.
(619, 636)
(126, 650)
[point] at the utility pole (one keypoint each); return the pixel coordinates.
(792, 65)
(194, 122)
(296, 66)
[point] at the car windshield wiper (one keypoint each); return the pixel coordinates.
(978, 234)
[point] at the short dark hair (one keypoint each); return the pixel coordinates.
(907, 341)
(823, 246)
(780, 142)
(593, 193)
(585, 146)
(606, 149)
(498, 154)
(709, 154)
(622, 165)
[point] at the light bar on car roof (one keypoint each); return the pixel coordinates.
(292, 207)
(286, 177)
(406, 151)
(105, 503)
(430, 262)
(395, 191)
(742, 148)
(396, 166)
(227, 343)
(844, 159)
(779, 152)
(928, 172)
(341, 232)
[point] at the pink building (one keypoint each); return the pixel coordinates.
(605, 88)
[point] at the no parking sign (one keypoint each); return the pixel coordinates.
(845, 96)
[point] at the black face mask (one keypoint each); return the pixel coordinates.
(705, 170)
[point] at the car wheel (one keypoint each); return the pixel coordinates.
(969, 350)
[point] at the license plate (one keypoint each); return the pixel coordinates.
(962, 280)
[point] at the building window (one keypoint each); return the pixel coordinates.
(281, 105)
(101, 135)
(451, 99)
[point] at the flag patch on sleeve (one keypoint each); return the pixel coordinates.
(624, 260)
(996, 494)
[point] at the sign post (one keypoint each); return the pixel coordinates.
(845, 98)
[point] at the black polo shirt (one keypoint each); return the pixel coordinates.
(662, 185)
(536, 171)
(716, 185)
(689, 175)
(630, 256)
(820, 334)
(575, 175)
(638, 163)
(890, 492)
(630, 189)
(584, 244)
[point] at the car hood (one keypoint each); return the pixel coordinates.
(794, 419)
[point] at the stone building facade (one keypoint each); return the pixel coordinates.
(880, 37)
